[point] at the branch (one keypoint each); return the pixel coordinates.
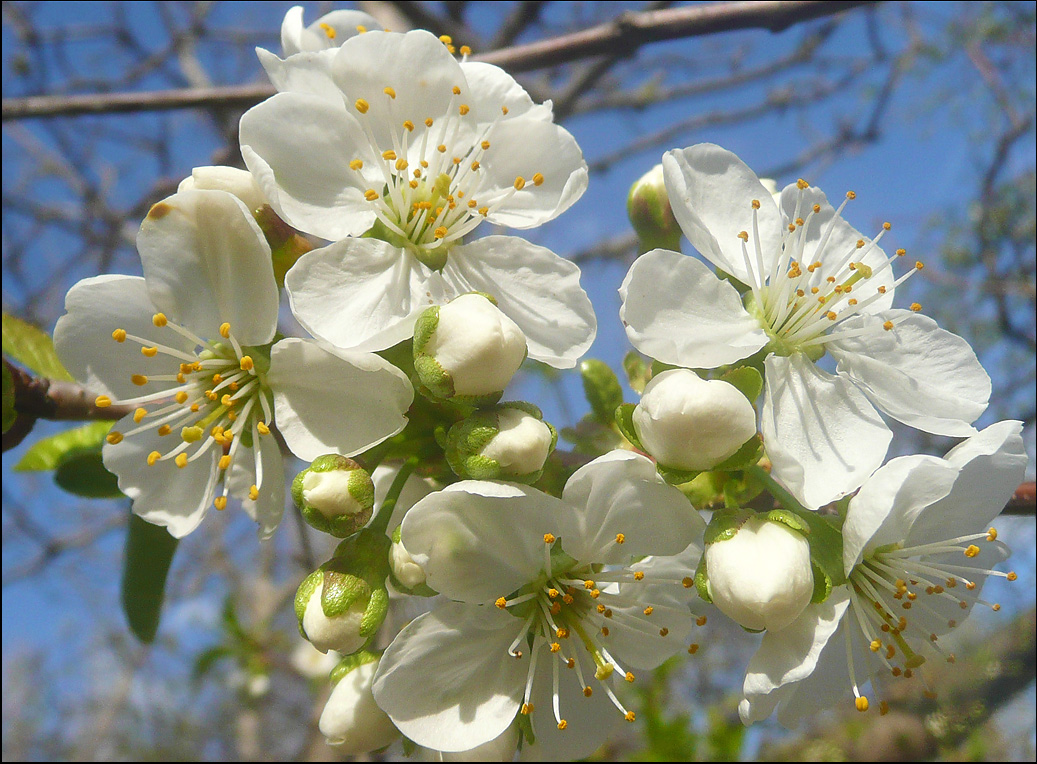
(627, 33)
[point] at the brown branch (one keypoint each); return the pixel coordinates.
(627, 33)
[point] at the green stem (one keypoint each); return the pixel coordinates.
(380, 523)
(783, 497)
(371, 458)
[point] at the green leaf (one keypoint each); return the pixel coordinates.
(50, 452)
(637, 371)
(625, 422)
(747, 380)
(602, 388)
(33, 348)
(149, 553)
(9, 413)
(83, 473)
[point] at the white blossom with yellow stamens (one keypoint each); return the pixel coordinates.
(554, 605)
(423, 161)
(917, 548)
(188, 345)
(815, 286)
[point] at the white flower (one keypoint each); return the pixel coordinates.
(230, 179)
(689, 423)
(916, 551)
(351, 720)
(403, 138)
(816, 286)
(188, 346)
(550, 610)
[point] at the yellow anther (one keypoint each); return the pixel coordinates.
(217, 378)
(465, 50)
(362, 106)
(428, 123)
(139, 379)
(587, 692)
(192, 434)
(853, 301)
(639, 575)
(463, 109)
(484, 211)
(527, 709)
(456, 90)
(890, 652)
(881, 290)
(861, 703)
(225, 330)
(563, 724)
(504, 110)
(799, 221)
(595, 593)
(896, 671)
(756, 204)
(700, 621)
(992, 534)
(555, 647)
(538, 179)
(688, 582)
(195, 407)
(875, 645)
(181, 397)
(620, 538)
(440, 232)
(408, 126)
(441, 148)
(817, 208)
(153, 457)
(114, 437)
(549, 538)
(164, 430)
(360, 28)
(553, 593)
(1012, 576)
(971, 551)
(916, 307)
(792, 227)
(356, 164)
(102, 401)
(604, 631)
(159, 319)
(556, 608)
(802, 184)
(389, 155)
(648, 610)
(226, 400)
(567, 599)
(693, 648)
(571, 663)
(139, 415)
(389, 92)
(887, 226)
(247, 364)
(181, 460)
(906, 606)
(150, 352)
(588, 584)
(600, 608)
(262, 428)
(119, 335)
(831, 316)
(253, 492)
(371, 195)
(629, 677)
(224, 461)
(328, 30)
(220, 502)
(475, 165)
(562, 633)
(663, 632)
(851, 194)
(743, 235)
(520, 183)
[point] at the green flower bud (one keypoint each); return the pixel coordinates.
(508, 442)
(648, 207)
(335, 495)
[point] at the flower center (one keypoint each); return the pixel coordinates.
(900, 598)
(799, 303)
(429, 189)
(215, 397)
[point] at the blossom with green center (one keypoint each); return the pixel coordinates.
(555, 604)
(189, 347)
(917, 548)
(815, 286)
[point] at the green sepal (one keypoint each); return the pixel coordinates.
(789, 519)
(33, 348)
(353, 661)
(624, 417)
(602, 389)
(725, 524)
(747, 380)
(658, 367)
(374, 615)
(826, 546)
(676, 476)
(822, 584)
(638, 372)
(340, 590)
(149, 554)
(304, 593)
(9, 412)
(434, 380)
(424, 328)
(748, 453)
(702, 581)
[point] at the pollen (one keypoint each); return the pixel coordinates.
(648, 610)
(549, 538)
(639, 575)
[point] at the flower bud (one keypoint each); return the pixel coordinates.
(508, 442)
(467, 350)
(240, 183)
(407, 572)
(760, 574)
(689, 423)
(351, 719)
(335, 495)
(648, 206)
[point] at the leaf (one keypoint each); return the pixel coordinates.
(83, 473)
(602, 388)
(33, 348)
(49, 453)
(637, 371)
(9, 412)
(149, 553)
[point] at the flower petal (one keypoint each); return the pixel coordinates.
(206, 262)
(823, 436)
(362, 294)
(447, 681)
(535, 288)
(268, 509)
(95, 308)
(369, 396)
(478, 540)
(298, 147)
(493, 88)
(927, 378)
(711, 193)
(308, 72)
(162, 493)
(621, 493)
(677, 311)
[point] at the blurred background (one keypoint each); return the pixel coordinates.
(926, 110)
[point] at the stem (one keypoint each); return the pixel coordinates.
(380, 523)
(782, 496)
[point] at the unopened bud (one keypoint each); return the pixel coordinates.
(407, 572)
(351, 718)
(508, 442)
(648, 207)
(689, 423)
(760, 576)
(240, 183)
(467, 350)
(335, 495)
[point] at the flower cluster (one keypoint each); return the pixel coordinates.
(560, 577)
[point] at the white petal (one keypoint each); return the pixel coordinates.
(268, 509)
(478, 541)
(206, 262)
(369, 396)
(621, 493)
(343, 24)
(885, 508)
(522, 148)
(95, 308)
(362, 294)
(711, 193)
(308, 72)
(492, 88)
(351, 720)
(992, 465)
(447, 681)
(644, 642)
(162, 493)
(927, 378)
(823, 436)
(535, 288)
(677, 311)
(789, 656)
(298, 147)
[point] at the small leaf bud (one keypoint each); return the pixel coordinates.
(335, 495)
(648, 207)
(688, 423)
(508, 442)
(351, 719)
